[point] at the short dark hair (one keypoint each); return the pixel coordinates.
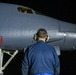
(42, 33)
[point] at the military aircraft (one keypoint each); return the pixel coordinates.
(18, 24)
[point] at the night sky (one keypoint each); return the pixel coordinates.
(59, 9)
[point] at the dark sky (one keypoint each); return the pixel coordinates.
(59, 9)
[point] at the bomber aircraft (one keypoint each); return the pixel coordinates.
(18, 24)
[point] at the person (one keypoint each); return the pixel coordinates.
(40, 58)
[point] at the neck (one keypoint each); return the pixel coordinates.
(43, 39)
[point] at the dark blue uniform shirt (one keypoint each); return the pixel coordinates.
(40, 58)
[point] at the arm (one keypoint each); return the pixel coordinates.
(56, 63)
(57, 69)
(25, 64)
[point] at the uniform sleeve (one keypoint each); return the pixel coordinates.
(56, 63)
(25, 63)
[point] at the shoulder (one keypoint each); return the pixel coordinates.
(51, 47)
(31, 46)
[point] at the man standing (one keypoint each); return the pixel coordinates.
(40, 58)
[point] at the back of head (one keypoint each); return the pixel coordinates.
(42, 33)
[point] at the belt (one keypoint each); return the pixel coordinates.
(44, 74)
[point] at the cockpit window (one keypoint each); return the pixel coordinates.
(40, 13)
(25, 10)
